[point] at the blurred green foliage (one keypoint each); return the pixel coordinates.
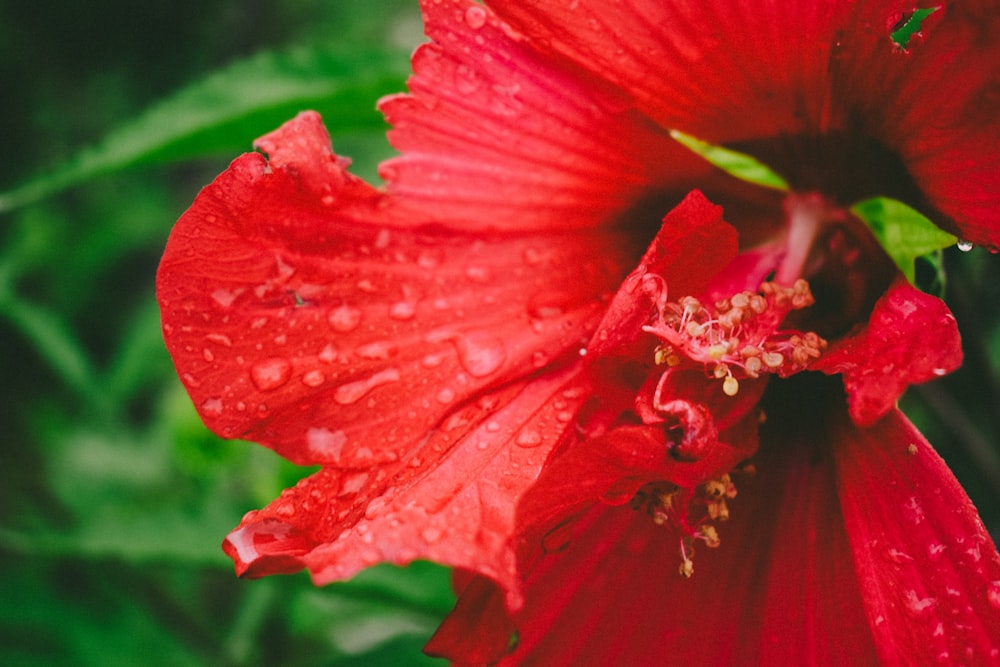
(113, 496)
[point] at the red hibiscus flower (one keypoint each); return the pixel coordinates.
(509, 361)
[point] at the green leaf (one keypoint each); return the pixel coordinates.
(910, 25)
(905, 234)
(223, 112)
(740, 165)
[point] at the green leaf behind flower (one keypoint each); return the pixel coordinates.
(221, 113)
(740, 165)
(905, 234)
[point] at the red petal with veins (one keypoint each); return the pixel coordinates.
(780, 589)
(297, 320)
(928, 570)
(911, 337)
(744, 72)
(497, 135)
(675, 264)
(452, 501)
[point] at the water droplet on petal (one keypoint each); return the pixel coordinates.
(328, 354)
(375, 507)
(475, 17)
(993, 594)
(528, 438)
(918, 606)
(478, 274)
(345, 318)
(225, 297)
(431, 534)
(445, 396)
(404, 310)
(221, 339)
(351, 392)
(313, 379)
(325, 443)
(379, 350)
(271, 373)
(480, 354)
(353, 483)
(212, 407)
(964, 246)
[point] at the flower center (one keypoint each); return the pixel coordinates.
(733, 340)
(738, 337)
(691, 510)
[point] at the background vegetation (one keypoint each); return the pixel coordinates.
(113, 497)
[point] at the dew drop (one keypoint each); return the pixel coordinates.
(917, 605)
(345, 318)
(221, 339)
(328, 354)
(225, 297)
(993, 594)
(432, 360)
(375, 507)
(431, 534)
(325, 443)
(964, 246)
(212, 407)
(475, 17)
(480, 354)
(404, 310)
(352, 392)
(445, 396)
(353, 483)
(377, 351)
(528, 438)
(271, 373)
(313, 379)
(208, 355)
(477, 274)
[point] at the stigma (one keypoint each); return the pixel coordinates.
(738, 337)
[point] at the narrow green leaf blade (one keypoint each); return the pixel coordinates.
(740, 165)
(222, 113)
(905, 234)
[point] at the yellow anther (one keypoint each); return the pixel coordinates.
(710, 535)
(741, 300)
(772, 359)
(716, 352)
(730, 386)
(694, 329)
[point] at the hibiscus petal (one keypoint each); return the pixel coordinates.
(929, 571)
(677, 264)
(450, 504)
(717, 70)
(911, 338)
(778, 590)
(742, 72)
(944, 116)
(494, 134)
(298, 317)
